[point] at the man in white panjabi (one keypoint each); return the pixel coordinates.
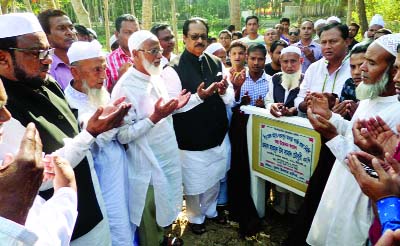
(344, 214)
(86, 93)
(154, 168)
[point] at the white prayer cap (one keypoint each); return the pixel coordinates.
(333, 19)
(389, 42)
(82, 50)
(291, 49)
(213, 47)
(377, 20)
(137, 39)
(93, 32)
(113, 39)
(319, 22)
(16, 24)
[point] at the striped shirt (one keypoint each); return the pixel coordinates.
(255, 88)
(114, 61)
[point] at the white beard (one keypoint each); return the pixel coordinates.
(97, 97)
(291, 81)
(372, 91)
(150, 68)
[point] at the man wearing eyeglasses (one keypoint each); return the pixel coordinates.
(154, 168)
(201, 126)
(61, 34)
(35, 97)
(294, 35)
(167, 42)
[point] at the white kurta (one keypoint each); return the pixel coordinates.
(153, 157)
(344, 213)
(318, 79)
(110, 164)
(201, 170)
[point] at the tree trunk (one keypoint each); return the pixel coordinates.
(47, 4)
(107, 23)
(4, 4)
(147, 14)
(349, 11)
(362, 16)
(81, 13)
(174, 24)
(133, 7)
(28, 6)
(235, 14)
(300, 17)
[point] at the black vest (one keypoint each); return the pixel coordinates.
(45, 105)
(279, 91)
(204, 126)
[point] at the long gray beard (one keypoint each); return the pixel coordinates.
(97, 97)
(372, 91)
(291, 81)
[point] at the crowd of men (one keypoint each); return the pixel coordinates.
(101, 149)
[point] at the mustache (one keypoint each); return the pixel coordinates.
(200, 45)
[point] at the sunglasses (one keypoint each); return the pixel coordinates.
(41, 54)
(293, 33)
(195, 37)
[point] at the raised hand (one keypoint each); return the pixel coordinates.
(388, 183)
(237, 78)
(322, 125)
(245, 99)
(205, 93)
(163, 110)
(222, 86)
(107, 118)
(260, 102)
(340, 108)
(21, 177)
(319, 104)
(375, 136)
(183, 98)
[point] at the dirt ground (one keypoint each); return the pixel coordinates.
(275, 230)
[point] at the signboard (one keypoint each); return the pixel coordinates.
(284, 151)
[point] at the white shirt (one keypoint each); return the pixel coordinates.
(344, 213)
(48, 223)
(110, 164)
(318, 79)
(196, 165)
(164, 61)
(152, 153)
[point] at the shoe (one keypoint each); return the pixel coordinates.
(197, 228)
(172, 241)
(219, 219)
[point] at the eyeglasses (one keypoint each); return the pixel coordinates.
(41, 54)
(153, 52)
(195, 37)
(293, 33)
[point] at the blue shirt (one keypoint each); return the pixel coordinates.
(255, 88)
(316, 48)
(389, 213)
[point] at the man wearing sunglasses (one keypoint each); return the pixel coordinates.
(167, 42)
(201, 126)
(294, 35)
